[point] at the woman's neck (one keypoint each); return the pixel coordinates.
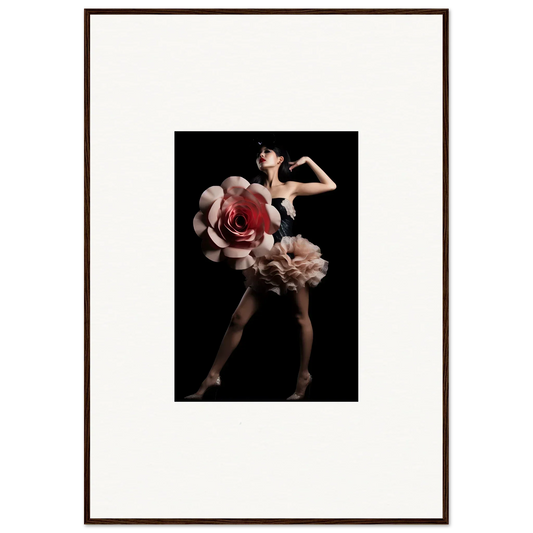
(271, 179)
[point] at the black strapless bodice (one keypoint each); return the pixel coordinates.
(287, 221)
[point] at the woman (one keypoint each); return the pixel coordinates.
(291, 267)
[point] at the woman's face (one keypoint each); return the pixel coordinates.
(267, 158)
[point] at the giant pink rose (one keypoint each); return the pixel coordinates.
(236, 222)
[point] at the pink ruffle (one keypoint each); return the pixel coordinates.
(278, 272)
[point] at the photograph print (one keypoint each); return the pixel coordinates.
(266, 266)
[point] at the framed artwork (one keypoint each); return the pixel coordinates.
(266, 266)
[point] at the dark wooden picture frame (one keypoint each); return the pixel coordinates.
(445, 265)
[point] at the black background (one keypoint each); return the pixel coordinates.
(265, 364)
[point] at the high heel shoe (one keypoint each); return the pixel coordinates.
(306, 395)
(209, 394)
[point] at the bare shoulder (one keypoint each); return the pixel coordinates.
(285, 190)
(291, 187)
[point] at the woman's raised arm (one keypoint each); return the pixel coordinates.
(307, 189)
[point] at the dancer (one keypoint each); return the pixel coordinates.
(291, 267)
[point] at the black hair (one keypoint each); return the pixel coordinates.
(284, 173)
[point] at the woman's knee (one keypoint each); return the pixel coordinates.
(237, 322)
(302, 320)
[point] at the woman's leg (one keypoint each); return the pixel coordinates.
(305, 329)
(248, 305)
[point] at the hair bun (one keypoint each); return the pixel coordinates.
(266, 139)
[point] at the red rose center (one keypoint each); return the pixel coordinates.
(240, 221)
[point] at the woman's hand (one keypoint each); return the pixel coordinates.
(302, 161)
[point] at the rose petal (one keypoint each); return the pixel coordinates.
(236, 252)
(263, 191)
(229, 233)
(247, 237)
(275, 219)
(214, 212)
(240, 219)
(235, 181)
(236, 192)
(217, 240)
(253, 198)
(245, 262)
(209, 196)
(212, 253)
(264, 247)
(229, 201)
(199, 223)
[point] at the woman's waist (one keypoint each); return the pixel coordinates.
(285, 230)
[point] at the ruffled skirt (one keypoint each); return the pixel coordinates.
(289, 265)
